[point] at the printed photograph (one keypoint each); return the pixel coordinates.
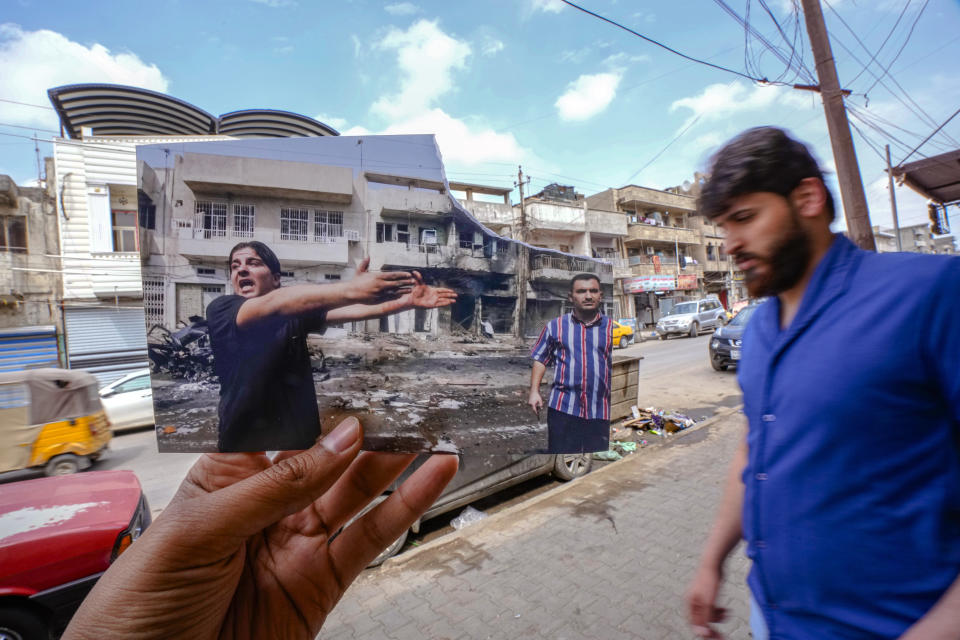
(289, 283)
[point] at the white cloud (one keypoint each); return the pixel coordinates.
(33, 61)
(357, 45)
(547, 6)
(333, 121)
(491, 46)
(588, 95)
(427, 57)
(402, 9)
(720, 101)
(276, 4)
(575, 55)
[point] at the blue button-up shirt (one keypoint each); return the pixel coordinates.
(581, 356)
(852, 487)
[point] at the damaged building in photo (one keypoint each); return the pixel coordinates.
(321, 221)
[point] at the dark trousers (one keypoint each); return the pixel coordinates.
(572, 434)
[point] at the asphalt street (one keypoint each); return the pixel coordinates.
(674, 374)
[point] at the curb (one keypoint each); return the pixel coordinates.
(412, 554)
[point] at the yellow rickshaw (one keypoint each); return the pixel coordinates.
(51, 418)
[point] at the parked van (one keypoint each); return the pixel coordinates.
(51, 418)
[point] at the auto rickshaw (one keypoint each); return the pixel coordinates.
(51, 418)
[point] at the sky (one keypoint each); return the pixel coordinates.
(503, 83)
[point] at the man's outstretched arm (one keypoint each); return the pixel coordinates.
(727, 531)
(421, 296)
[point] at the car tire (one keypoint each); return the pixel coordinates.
(62, 465)
(569, 466)
(717, 366)
(22, 624)
(694, 330)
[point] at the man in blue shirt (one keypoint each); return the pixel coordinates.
(579, 345)
(847, 485)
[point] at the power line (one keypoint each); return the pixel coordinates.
(930, 136)
(27, 104)
(659, 153)
(886, 70)
(873, 58)
(663, 46)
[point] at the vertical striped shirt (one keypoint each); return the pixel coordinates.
(581, 355)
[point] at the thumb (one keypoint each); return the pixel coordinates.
(364, 265)
(251, 505)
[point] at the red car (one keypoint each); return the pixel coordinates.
(57, 537)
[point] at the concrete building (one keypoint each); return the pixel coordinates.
(884, 239)
(321, 221)
(31, 330)
(95, 181)
(946, 245)
(566, 238)
(915, 238)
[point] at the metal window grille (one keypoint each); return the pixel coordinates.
(327, 224)
(153, 300)
(294, 224)
(210, 219)
(243, 220)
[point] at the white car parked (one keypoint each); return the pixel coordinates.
(128, 401)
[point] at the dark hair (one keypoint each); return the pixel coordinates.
(266, 254)
(759, 159)
(584, 276)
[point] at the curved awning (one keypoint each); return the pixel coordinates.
(118, 110)
(271, 123)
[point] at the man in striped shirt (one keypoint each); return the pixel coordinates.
(579, 345)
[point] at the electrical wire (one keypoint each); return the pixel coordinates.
(663, 46)
(873, 58)
(930, 136)
(659, 153)
(886, 70)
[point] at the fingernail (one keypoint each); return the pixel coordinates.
(343, 437)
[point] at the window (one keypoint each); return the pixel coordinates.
(243, 220)
(465, 238)
(384, 232)
(294, 224)
(210, 219)
(133, 384)
(13, 234)
(206, 271)
(403, 233)
(124, 225)
(331, 276)
(147, 211)
(286, 274)
(327, 224)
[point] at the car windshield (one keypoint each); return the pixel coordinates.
(686, 307)
(741, 318)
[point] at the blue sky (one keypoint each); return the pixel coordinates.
(500, 82)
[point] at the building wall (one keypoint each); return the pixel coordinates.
(30, 280)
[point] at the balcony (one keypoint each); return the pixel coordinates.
(410, 201)
(606, 222)
(639, 232)
(420, 256)
(718, 265)
(558, 267)
(305, 249)
(490, 213)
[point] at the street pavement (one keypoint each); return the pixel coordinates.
(607, 556)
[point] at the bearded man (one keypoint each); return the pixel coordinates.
(847, 485)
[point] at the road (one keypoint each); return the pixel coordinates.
(674, 374)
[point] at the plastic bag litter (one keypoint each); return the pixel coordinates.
(607, 455)
(467, 517)
(626, 447)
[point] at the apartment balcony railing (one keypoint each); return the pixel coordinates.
(551, 267)
(654, 233)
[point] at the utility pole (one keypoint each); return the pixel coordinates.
(893, 201)
(523, 263)
(848, 171)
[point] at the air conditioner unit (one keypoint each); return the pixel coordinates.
(649, 251)
(352, 235)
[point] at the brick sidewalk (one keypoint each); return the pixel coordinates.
(608, 556)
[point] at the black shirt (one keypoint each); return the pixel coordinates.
(267, 397)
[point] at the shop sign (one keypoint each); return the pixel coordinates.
(651, 283)
(687, 281)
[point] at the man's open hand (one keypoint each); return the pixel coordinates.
(372, 287)
(424, 296)
(244, 549)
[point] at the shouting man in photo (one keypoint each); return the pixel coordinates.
(259, 336)
(579, 345)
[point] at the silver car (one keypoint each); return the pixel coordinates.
(690, 318)
(128, 402)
